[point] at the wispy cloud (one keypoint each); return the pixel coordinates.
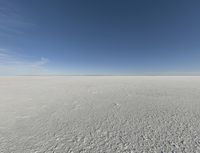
(12, 21)
(11, 64)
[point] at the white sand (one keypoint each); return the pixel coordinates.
(99, 114)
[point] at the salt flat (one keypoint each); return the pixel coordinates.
(99, 114)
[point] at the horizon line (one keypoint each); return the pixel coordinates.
(91, 75)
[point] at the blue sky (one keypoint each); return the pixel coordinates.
(138, 37)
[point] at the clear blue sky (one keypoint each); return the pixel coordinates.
(99, 37)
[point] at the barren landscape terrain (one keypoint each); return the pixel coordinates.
(99, 114)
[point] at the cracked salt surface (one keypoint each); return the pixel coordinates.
(99, 114)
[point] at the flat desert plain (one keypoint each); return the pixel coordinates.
(99, 114)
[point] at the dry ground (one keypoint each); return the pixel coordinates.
(99, 114)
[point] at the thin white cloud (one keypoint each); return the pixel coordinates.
(41, 62)
(10, 64)
(12, 20)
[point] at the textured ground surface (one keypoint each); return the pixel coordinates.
(99, 114)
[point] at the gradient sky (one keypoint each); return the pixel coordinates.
(99, 37)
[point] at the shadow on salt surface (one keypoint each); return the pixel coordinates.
(76, 107)
(116, 105)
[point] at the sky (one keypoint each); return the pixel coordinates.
(99, 37)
